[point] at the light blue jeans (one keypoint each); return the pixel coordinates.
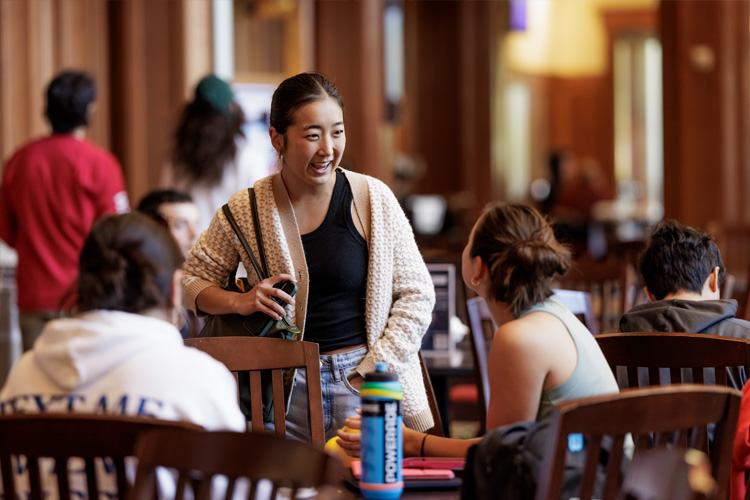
(340, 399)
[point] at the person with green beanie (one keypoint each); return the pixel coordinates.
(210, 157)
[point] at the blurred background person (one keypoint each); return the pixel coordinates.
(176, 211)
(53, 190)
(209, 158)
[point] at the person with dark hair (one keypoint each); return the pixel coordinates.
(541, 354)
(177, 211)
(365, 294)
(121, 354)
(53, 189)
(211, 158)
(683, 273)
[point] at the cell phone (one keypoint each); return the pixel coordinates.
(289, 287)
(258, 322)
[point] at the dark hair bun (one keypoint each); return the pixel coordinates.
(127, 263)
(523, 256)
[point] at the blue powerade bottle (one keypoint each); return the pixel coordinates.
(382, 444)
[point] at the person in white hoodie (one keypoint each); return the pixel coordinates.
(121, 353)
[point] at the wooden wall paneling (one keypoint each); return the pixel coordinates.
(705, 58)
(580, 118)
(450, 58)
(434, 93)
(18, 121)
(81, 42)
(165, 70)
(475, 70)
(130, 125)
(197, 39)
(349, 50)
(735, 49)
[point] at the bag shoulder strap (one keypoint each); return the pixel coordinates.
(258, 234)
(245, 245)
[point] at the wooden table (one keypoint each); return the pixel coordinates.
(348, 492)
(344, 493)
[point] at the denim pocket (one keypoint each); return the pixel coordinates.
(345, 381)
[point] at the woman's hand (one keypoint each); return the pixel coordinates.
(350, 441)
(260, 298)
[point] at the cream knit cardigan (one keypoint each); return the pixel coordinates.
(400, 295)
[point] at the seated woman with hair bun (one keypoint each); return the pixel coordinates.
(541, 354)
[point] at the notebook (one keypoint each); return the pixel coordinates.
(421, 473)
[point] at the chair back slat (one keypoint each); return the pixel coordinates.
(632, 374)
(720, 372)
(231, 487)
(653, 374)
(256, 401)
(182, 480)
(250, 356)
(643, 413)
(698, 376)
(35, 479)
(277, 377)
(204, 489)
(91, 483)
(591, 467)
(614, 466)
(675, 376)
(61, 471)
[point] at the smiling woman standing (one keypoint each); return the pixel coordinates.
(365, 294)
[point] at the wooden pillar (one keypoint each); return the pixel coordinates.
(349, 50)
(450, 56)
(155, 64)
(706, 107)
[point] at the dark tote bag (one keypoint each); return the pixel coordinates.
(257, 324)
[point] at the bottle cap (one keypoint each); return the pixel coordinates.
(381, 374)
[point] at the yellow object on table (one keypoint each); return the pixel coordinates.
(333, 448)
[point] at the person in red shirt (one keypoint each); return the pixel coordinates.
(52, 191)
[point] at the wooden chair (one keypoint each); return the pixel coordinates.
(49, 441)
(199, 456)
(253, 354)
(671, 416)
(482, 329)
(669, 474)
(611, 284)
(580, 304)
(437, 429)
(676, 355)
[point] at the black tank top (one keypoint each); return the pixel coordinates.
(337, 259)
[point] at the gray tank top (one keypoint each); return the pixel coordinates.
(592, 375)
